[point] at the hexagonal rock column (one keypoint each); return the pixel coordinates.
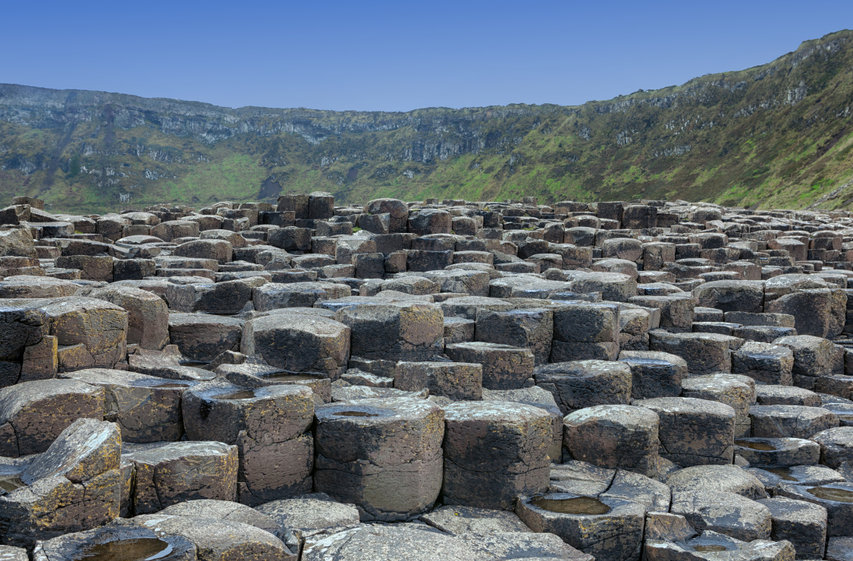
(33, 286)
(494, 451)
(654, 374)
(298, 342)
(605, 527)
(634, 325)
(526, 328)
(536, 397)
(24, 328)
(585, 330)
(174, 229)
(33, 414)
(800, 522)
(813, 357)
(74, 485)
(764, 362)
(836, 445)
(710, 479)
(676, 310)
(270, 426)
(430, 221)
(399, 331)
(732, 389)
(220, 250)
(782, 421)
(836, 498)
(383, 454)
(816, 311)
(731, 295)
(97, 329)
(227, 530)
(778, 452)
(721, 498)
(704, 352)
(615, 287)
(202, 337)
(614, 436)
(456, 380)
(163, 475)
(634, 487)
(397, 211)
(271, 295)
(146, 408)
(694, 431)
(91, 267)
(148, 314)
(584, 383)
(465, 281)
(504, 367)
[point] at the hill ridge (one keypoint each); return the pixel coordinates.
(772, 135)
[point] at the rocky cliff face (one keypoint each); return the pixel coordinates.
(776, 134)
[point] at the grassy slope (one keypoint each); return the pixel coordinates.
(732, 138)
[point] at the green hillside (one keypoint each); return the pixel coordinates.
(776, 135)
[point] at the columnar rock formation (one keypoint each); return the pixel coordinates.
(454, 380)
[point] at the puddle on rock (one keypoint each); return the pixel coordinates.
(288, 378)
(171, 386)
(139, 549)
(832, 494)
(9, 483)
(756, 445)
(240, 394)
(575, 505)
(355, 414)
(194, 363)
(784, 473)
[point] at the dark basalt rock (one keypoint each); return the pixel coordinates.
(655, 380)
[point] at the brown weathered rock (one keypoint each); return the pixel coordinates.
(162, 478)
(270, 427)
(74, 485)
(383, 455)
(298, 342)
(33, 414)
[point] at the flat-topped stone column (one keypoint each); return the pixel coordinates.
(605, 527)
(614, 436)
(494, 451)
(504, 367)
(382, 454)
(270, 425)
(694, 431)
(583, 383)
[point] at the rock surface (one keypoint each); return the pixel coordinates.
(455, 380)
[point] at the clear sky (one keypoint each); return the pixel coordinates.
(396, 55)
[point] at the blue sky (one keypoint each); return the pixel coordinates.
(396, 56)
